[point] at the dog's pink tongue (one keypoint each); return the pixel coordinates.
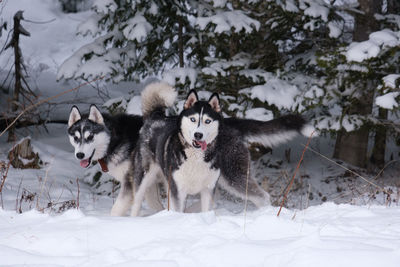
(203, 145)
(84, 163)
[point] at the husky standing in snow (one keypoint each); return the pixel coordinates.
(109, 140)
(197, 149)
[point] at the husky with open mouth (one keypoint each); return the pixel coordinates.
(111, 141)
(199, 148)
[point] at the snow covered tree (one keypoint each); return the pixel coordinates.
(253, 50)
(264, 57)
(356, 81)
(133, 40)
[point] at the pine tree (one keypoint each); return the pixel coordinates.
(133, 40)
(356, 80)
(263, 57)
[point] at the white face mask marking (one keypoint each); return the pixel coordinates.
(198, 125)
(90, 144)
(209, 128)
(78, 134)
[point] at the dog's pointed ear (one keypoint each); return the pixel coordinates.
(95, 115)
(191, 99)
(214, 102)
(74, 116)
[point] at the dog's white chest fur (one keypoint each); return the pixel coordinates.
(118, 171)
(195, 175)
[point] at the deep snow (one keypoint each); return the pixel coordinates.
(326, 235)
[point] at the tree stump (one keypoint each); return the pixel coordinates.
(22, 156)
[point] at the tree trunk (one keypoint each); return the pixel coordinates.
(17, 64)
(17, 31)
(378, 152)
(233, 50)
(180, 43)
(22, 156)
(379, 149)
(393, 6)
(352, 147)
(365, 23)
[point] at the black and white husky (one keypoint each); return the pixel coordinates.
(111, 141)
(199, 148)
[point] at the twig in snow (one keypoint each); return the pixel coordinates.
(294, 174)
(169, 186)
(43, 184)
(384, 167)
(4, 169)
(351, 171)
(16, 203)
(77, 198)
(245, 200)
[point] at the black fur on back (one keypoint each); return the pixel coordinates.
(248, 127)
(124, 131)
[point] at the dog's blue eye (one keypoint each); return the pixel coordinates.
(192, 119)
(208, 121)
(90, 138)
(76, 139)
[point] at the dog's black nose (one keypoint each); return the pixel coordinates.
(80, 155)
(198, 135)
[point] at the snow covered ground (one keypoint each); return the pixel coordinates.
(326, 235)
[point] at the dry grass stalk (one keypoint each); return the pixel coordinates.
(4, 172)
(245, 200)
(77, 198)
(351, 171)
(294, 174)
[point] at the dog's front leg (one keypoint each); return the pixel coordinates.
(206, 199)
(124, 199)
(143, 186)
(152, 198)
(178, 201)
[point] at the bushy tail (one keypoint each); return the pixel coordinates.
(156, 97)
(270, 133)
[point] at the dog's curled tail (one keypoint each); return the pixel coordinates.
(157, 96)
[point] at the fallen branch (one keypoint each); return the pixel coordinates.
(26, 123)
(47, 100)
(294, 174)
